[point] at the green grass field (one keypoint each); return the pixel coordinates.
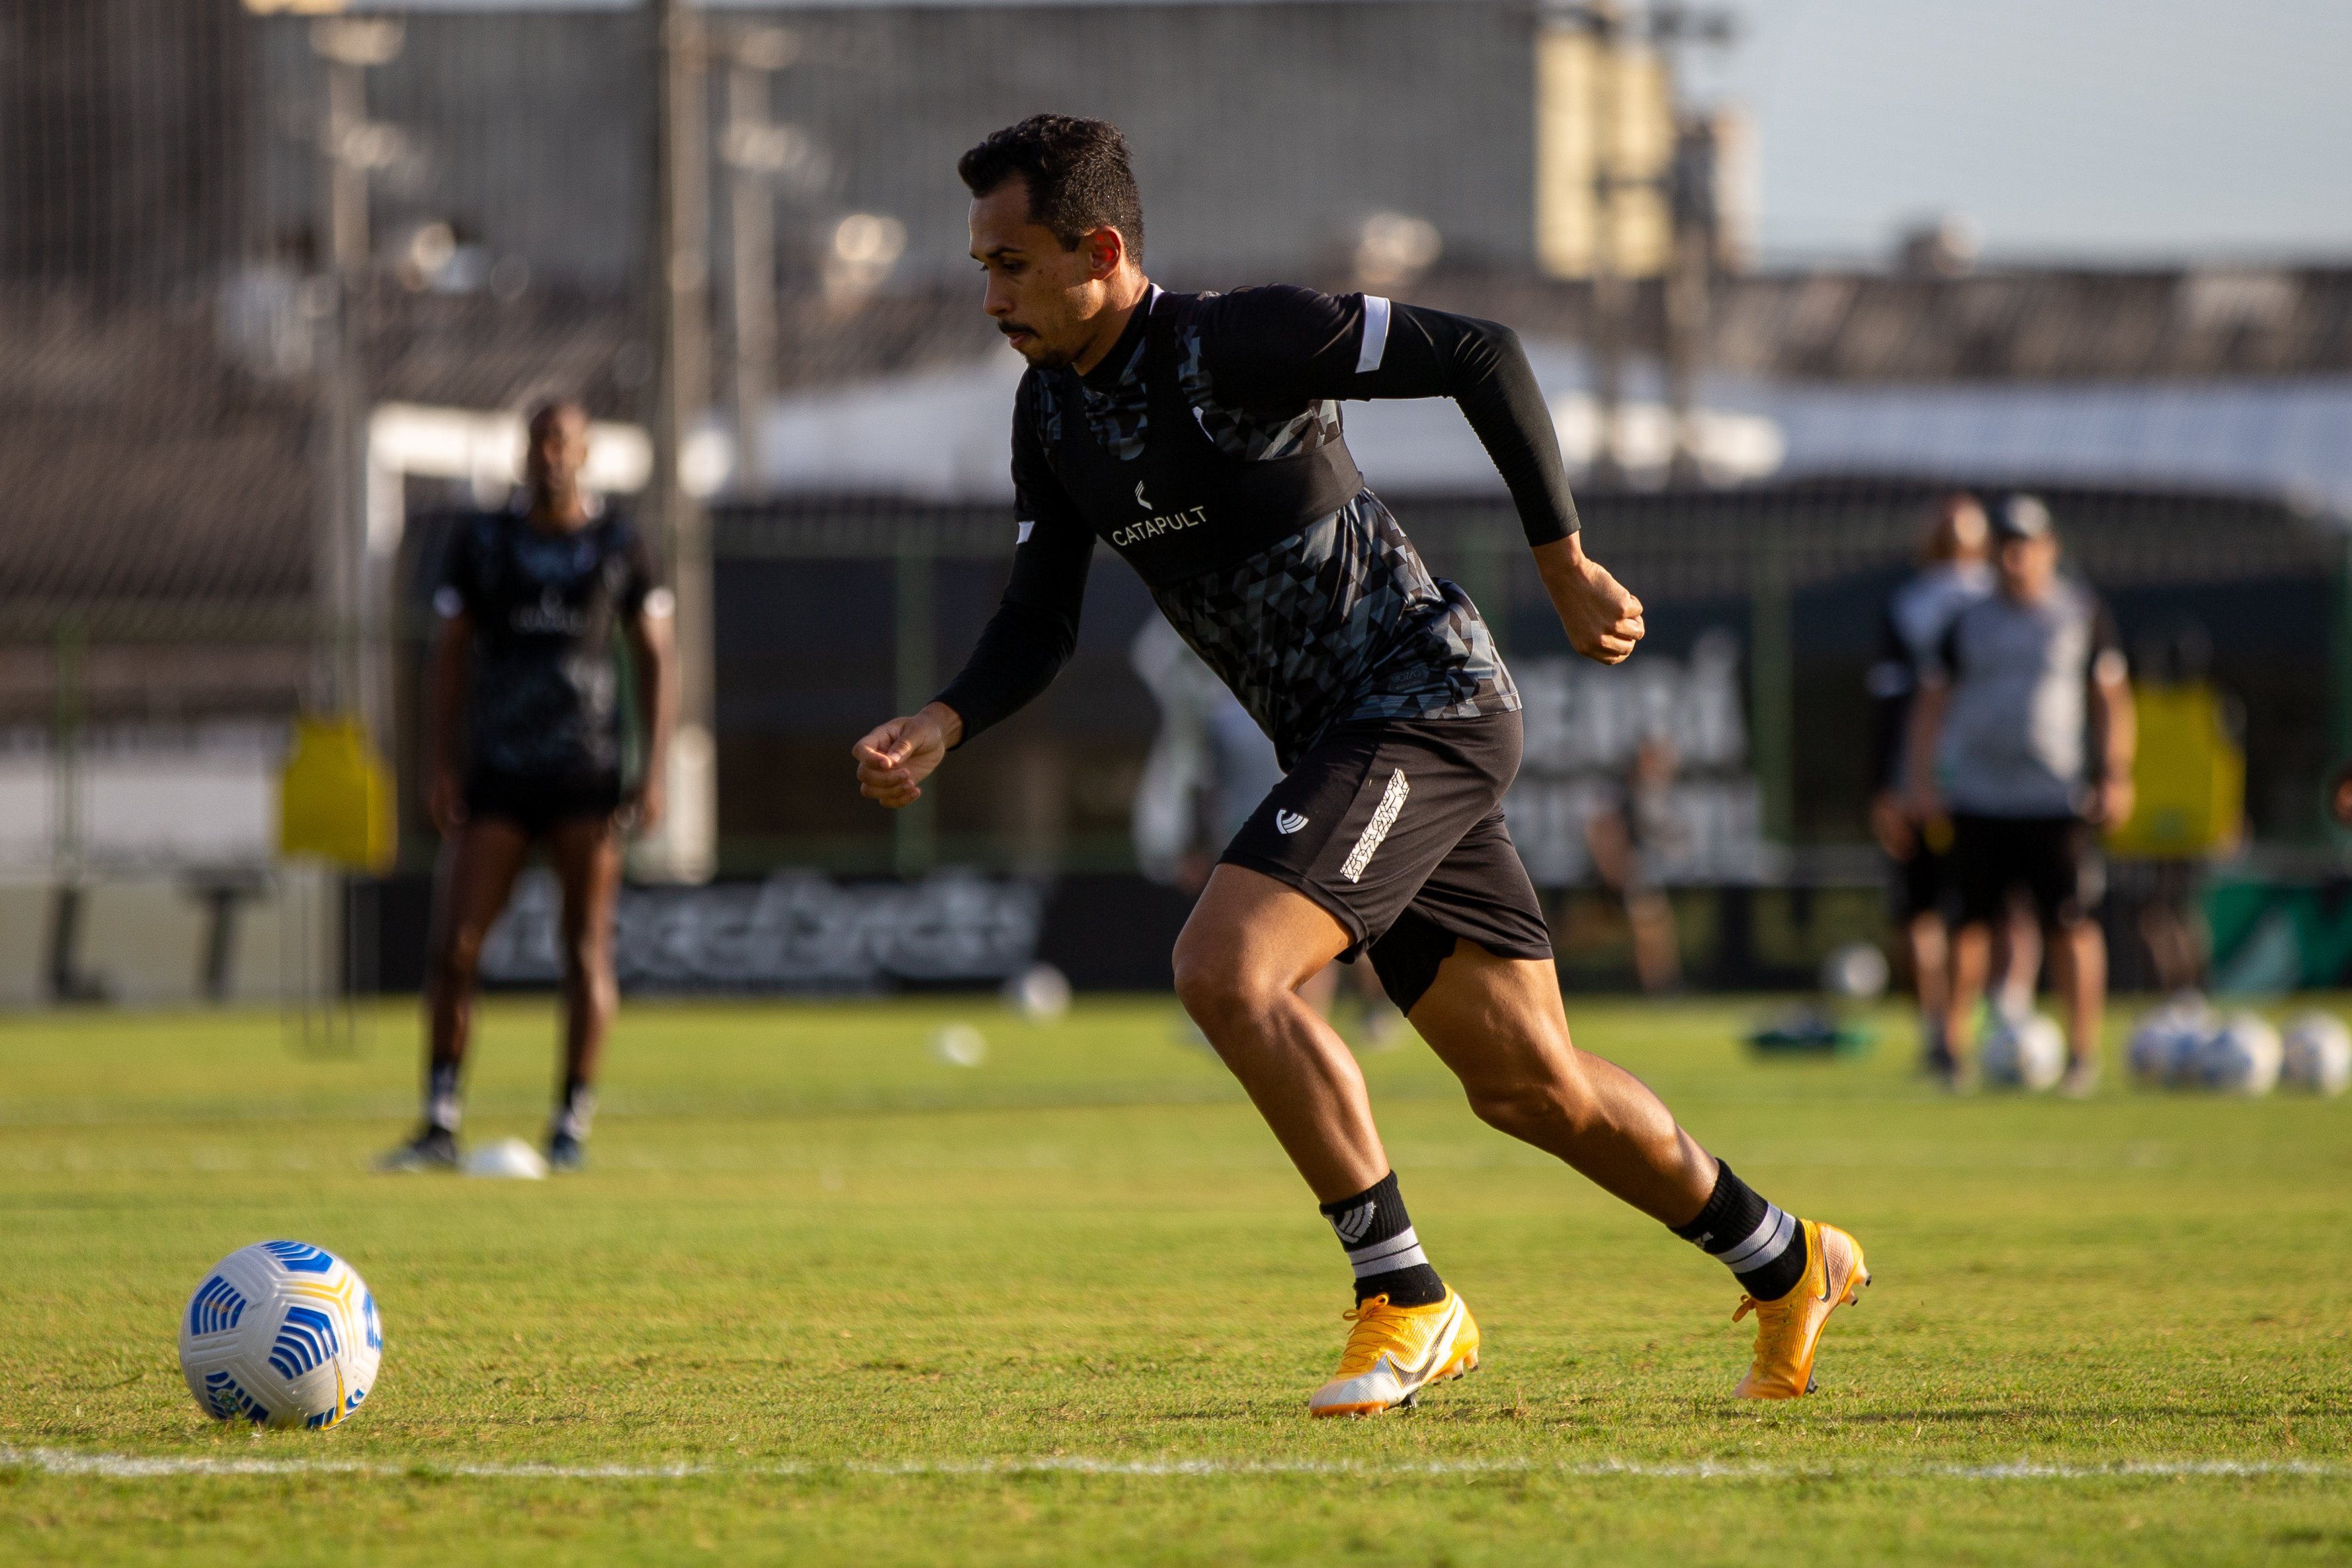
(822, 1298)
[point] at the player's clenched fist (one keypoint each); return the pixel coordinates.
(894, 759)
(1602, 620)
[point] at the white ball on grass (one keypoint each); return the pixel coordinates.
(1040, 993)
(1856, 972)
(508, 1159)
(280, 1333)
(2029, 1055)
(2316, 1053)
(2242, 1056)
(2163, 1050)
(960, 1045)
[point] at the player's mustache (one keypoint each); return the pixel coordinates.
(1015, 328)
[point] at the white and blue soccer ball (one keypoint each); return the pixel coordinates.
(2029, 1054)
(2242, 1056)
(2163, 1048)
(280, 1333)
(2316, 1053)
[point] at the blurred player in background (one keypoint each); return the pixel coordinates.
(1953, 574)
(1626, 838)
(2023, 732)
(1199, 435)
(522, 735)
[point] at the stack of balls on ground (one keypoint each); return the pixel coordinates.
(280, 1333)
(2186, 1044)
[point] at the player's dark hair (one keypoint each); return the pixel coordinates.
(1076, 172)
(547, 407)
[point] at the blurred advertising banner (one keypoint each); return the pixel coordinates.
(1660, 742)
(796, 931)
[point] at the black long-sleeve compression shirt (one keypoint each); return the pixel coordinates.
(1262, 371)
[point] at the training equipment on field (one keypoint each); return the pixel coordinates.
(1789, 1331)
(1040, 993)
(2029, 1055)
(1809, 1029)
(1856, 972)
(508, 1159)
(2163, 1048)
(2242, 1056)
(1394, 1353)
(280, 1333)
(2316, 1053)
(960, 1045)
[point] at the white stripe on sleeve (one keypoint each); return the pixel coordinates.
(1376, 334)
(1027, 527)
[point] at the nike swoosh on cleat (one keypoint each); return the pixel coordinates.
(1439, 1349)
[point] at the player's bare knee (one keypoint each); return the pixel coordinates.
(588, 961)
(1219, 989)
(1210, 991)
(456, 958)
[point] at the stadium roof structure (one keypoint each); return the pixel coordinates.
(2209, 379)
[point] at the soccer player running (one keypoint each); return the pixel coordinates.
(2024, 732)
(1952, 576)
(1199, 435)
(523, 688)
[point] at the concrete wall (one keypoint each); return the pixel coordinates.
(143, 941)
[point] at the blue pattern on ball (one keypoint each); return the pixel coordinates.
(216, 1307)
(228, 1401)
(300, 1257)
(305, 1340)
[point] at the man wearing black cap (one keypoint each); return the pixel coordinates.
(2023, 734)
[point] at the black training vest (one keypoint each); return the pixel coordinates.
(1182, 507)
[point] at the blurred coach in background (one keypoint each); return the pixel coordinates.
(2023, 731)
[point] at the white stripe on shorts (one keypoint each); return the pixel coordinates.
(1384, 817)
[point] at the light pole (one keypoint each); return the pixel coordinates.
(756, 151)
(685, 848)
(1696, 226)
(351, 147)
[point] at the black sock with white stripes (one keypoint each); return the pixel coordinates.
(1764, 1247)
(1377, 1234)
(443, 1104)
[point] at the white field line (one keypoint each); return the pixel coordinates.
(133, 1467)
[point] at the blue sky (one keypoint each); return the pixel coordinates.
(2155, 129)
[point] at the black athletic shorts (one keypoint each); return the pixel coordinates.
(2055, 859)
(1919, 883)
(536, 802)
(1396, 826)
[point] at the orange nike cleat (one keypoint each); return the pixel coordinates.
(1789, 1331)
(1394, 1353)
